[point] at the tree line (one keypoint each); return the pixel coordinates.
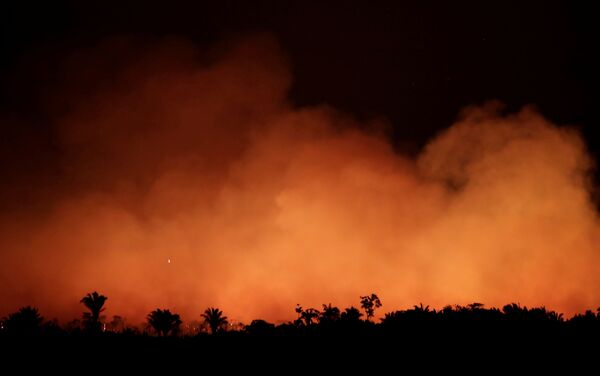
(28, 321)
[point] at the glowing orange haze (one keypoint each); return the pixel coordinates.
(198, 157)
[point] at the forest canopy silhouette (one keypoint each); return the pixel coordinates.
(507, 323)
(180, 176)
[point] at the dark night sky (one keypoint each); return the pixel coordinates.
(414, 64)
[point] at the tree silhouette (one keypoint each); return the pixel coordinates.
(351, 314)
(259, 328)
(26, 321)
(556, 317)
(391, 318)
(164, 322)
(299, 310)
(117, 324)
(94, 302)
(475, 306)
(369, 304)
(214, 318)
(306, 317)
(420, 308)
(514, 312)
(329, 314)
(309, 315)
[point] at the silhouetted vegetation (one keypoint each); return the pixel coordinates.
(95, 303)
(27, 321)
(164, 322)
(369, 304)
(329, 314)
(215, 319)
(316, 331)
(306, 317)
(351, 314)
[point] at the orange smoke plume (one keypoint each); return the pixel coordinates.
(189, 180)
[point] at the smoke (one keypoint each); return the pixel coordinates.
(186, 179)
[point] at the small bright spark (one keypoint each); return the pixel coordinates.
(168, 261)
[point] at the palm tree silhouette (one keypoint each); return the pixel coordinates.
(329, 314)
(555, 316)
(164, 322)
(94, 302)
(309, 315)
(215, 319)
(420, 308)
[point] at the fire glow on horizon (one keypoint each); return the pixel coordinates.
(198, 156)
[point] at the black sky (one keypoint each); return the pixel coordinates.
(416, 64)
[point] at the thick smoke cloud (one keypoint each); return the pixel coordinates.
(164, 152)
